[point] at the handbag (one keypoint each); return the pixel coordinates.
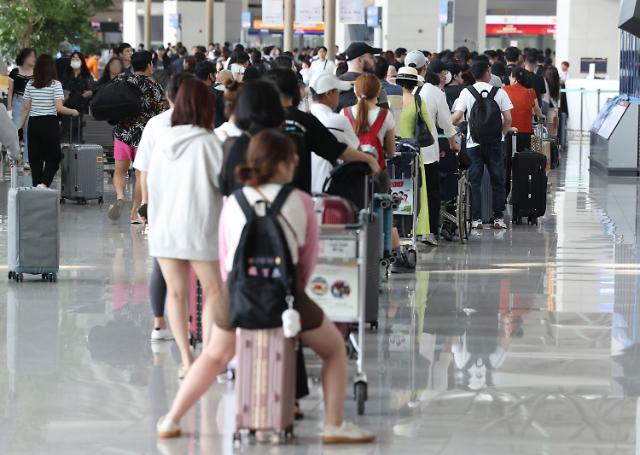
(423, 135)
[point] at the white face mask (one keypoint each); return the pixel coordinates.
(75, 64)
(447, 78)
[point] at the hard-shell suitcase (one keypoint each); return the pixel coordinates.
(33, 240)
(82, 170)
(529, 194)
(334, 210)
(265, 381)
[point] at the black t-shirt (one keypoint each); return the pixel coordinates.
(537, 83)
(309, 135)
(453, 93)
(19, 81)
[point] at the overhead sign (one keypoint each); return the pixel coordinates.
(520, 29)
(272, 12)
(309, 11)
(352, 12)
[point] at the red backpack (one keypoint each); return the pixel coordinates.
(370, 136)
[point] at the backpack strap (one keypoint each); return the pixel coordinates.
(474, 92)
(280, 199)
(492, 94)
(347, 113)
(377, 125)
(247, 209)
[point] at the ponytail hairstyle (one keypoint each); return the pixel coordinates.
(367, 87)
(266, 151)
(520, 75)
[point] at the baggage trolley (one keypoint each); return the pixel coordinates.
(404, 174)
(339, 283)
(456, 210)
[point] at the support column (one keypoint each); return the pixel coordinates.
(289, 15)
(209, 21)
(330, 28)
(147, 24)
(469, 21)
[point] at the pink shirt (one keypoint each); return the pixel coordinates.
(300, 228)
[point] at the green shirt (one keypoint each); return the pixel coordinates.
(407, 128)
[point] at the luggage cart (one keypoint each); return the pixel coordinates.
(404, 174)
(339, 283)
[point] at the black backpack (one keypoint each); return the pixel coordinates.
(262, 280)
(485, 119)
(117, 100)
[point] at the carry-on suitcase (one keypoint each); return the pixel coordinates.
(82, 170)
(195, 310)
(334, 210)
(265, 382)
(33, 238)
(563, 136)
(529, 193)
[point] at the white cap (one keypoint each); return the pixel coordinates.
(323, 82)
(415, 59)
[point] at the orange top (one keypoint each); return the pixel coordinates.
(92, 64)
(523, 100)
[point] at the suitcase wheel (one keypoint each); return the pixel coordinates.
(100, 200)
(11, 275)
(63, 200)
(373, 326)
(18, 277)
(50, 277)
(360, 392)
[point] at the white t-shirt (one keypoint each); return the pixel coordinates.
(227, 130)
(466, 102)
(149, 137)
(389, 121)
(343, 131)
(323, 66)
(43, 99)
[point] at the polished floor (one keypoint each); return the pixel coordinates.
(520, 342)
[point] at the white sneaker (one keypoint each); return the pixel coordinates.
(430, 239)
(347, 433)
(161, 335)
(166, 428)
(499, 223)
(42, 186)
(477, 224)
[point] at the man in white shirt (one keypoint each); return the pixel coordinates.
(322, 64)
(440, 116)
(489, 153)
(325, 90)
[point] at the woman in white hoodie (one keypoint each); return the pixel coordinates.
(184, 206)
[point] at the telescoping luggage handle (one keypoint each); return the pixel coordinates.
(78, 121)
(13, 167)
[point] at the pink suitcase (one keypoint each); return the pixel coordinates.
(195, 309)
(265, 382)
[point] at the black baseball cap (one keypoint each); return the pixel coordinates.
(360, 48)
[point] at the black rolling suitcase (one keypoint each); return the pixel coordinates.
(529, 193)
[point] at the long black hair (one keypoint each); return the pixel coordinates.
(84, 70)
(106, 73)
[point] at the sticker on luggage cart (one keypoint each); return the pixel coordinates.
(402, 191)
(344, 248)
(334, 287)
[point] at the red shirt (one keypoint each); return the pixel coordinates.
(523, 100)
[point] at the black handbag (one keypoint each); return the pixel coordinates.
(423, 135)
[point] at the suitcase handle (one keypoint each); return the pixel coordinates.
(13, 167)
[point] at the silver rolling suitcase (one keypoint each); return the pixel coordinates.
(33, 240)
(82, 177)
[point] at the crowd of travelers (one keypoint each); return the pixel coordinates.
(222, 126)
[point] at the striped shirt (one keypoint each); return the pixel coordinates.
(43, 99)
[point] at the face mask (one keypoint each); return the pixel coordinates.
(75, 64)
(447, 78)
